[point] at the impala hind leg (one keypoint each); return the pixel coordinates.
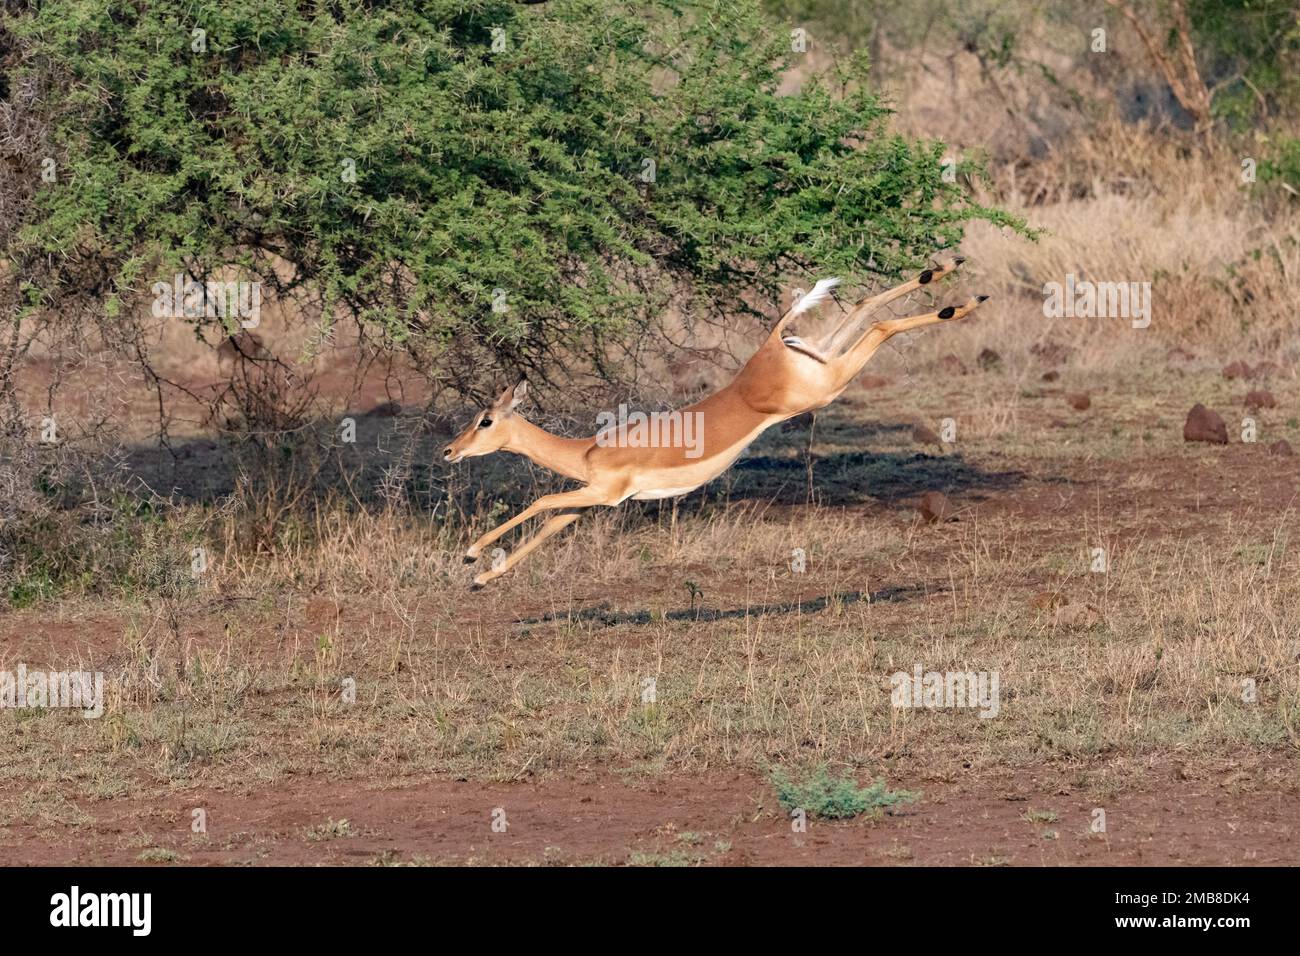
(580, 498)
(848, 365)
(848, 327)
(550, 526)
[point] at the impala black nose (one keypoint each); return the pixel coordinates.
(446, 452)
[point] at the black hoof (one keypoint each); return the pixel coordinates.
(468, 560)
(476, 586)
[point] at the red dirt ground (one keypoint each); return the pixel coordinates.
(719, 819)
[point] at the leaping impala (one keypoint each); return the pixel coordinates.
(784, 378)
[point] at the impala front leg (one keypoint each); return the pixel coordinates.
(580, 498)
(549, 527)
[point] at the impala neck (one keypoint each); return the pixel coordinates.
(566, 456)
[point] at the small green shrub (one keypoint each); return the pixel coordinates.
(30, 589)
(1281, 164)
(835, 798)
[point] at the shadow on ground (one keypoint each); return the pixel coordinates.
(402, 457)
(602, 614)
(855, 477)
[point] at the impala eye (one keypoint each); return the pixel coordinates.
(485, 422)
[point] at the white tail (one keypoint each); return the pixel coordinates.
(819, 293)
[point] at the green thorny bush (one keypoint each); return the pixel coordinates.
(487, 184)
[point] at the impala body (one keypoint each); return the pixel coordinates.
(784, 378)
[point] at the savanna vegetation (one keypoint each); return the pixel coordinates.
(615, 201)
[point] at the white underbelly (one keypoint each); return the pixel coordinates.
(701, 476)
(653, 493)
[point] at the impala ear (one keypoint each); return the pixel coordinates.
(510, 399)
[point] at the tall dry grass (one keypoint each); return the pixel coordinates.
(764, 667)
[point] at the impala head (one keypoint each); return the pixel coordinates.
(491, 428)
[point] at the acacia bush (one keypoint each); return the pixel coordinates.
(488, 184)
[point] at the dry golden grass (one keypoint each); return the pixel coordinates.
(239, 683)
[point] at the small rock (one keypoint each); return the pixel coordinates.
(953, 365)
(1237, 369)
(1179, 354)
(1205, 425)
(872, 381)
(1281, 447)
(989, 360)
(1079, 401)
(935, 506)
(1260, 398)
(1051, 376)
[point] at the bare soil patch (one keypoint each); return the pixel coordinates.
(718, 819)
